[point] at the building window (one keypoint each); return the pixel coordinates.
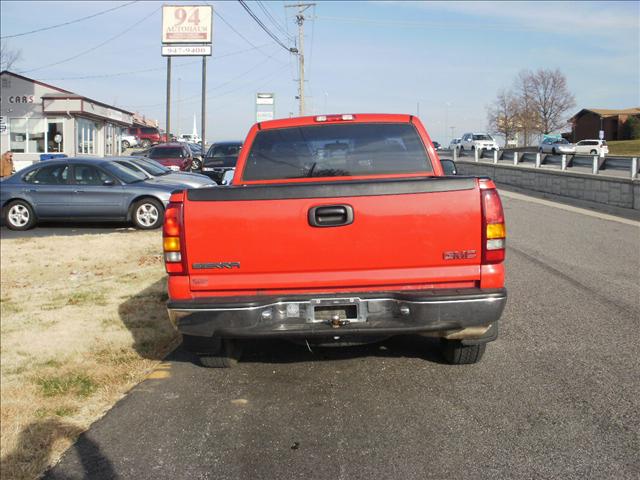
(110, 146)
(28, 135)
(55, 136)
(87, 136)
(18, 135)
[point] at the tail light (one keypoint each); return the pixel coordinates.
(173, 237)
(494, 232)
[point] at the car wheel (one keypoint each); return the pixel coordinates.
(540, 149)
(473, 147)
(196, 164)
(461, 148)
(553, 150)
(146, 143)
(594, 152)
(455, 353)
(225, 356)
(18, 215)
(125, 144)
(147, 214)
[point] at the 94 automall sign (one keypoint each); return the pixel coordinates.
(187, 24)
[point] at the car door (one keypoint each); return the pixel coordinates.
(48, 190)
(97, 194)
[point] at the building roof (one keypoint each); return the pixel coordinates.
(605, 112)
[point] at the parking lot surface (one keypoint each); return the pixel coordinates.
(557, 396)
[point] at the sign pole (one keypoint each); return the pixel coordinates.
(168, 127)
(203, 120)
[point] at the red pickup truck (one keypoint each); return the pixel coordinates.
(337, 230)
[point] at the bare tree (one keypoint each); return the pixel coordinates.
(503, 115)
(8, 56)
(526, 115)
(549, 98)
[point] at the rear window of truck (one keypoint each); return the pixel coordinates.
(336, 150)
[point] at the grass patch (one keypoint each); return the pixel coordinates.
(87, 298)
(73, 383)
(624, 147)
(62, 411)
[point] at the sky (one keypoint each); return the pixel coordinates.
(445, 61)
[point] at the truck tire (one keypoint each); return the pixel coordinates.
(455, 353)
(226, 356)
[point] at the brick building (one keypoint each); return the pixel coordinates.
(587, 123)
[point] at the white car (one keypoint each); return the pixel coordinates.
(454, 144)
(185, 137)
(557, 146)
(129, 141)
(592, 147)
(473, 141)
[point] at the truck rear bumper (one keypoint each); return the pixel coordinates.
(464, 314)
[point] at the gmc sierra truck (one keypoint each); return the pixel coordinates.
(336, 230)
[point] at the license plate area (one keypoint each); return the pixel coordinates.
(343, 310)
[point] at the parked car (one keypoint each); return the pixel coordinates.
(220, 157)
(436, 145)
(307, 254)
(473, 141)
(83, 189)
(187, 137)
(129, 141)
(176, 156)
(454, 144)
(557, 146)
(592, 147)
(148, 135)
(161, 174)
(196, 150)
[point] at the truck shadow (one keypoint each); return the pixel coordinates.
(145, 316)
(33, 450)
(280, 351)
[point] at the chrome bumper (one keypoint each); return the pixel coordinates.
(455, 314)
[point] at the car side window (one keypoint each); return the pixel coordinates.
(89, 175)
(50, 175)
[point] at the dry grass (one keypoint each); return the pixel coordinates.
(624, 147)
(83, 320)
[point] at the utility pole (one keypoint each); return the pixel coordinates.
(178, 129)
(302, 7)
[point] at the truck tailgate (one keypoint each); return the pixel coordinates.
(420, 233)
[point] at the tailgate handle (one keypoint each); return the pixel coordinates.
(331, 216)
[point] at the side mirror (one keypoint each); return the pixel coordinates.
(449, 167)
(108, 183)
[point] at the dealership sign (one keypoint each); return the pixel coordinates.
(186, 50)
(187, 24)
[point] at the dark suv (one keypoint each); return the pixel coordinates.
(148, 135)
(220, 157)
(176, 156)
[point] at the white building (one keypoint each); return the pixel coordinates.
(40, 119)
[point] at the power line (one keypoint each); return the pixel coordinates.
(97, 46)
(264, 27)
(273, 20)
(68, 23)
(154, 69)
(217, 14)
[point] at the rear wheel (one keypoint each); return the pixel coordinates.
(455, 353)
(553, 150)
(18, 215)
(125, 144)
(146, 143)
(147, 214)
(594, 152)
(196, 164)
(225, 354)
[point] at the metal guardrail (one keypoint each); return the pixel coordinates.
(566, 162)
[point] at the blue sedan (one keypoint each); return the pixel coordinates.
(81, 189)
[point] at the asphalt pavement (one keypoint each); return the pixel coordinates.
(557, 396)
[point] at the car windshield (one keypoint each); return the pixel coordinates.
(482, 137)
(166, 152)
(334, 150)
(150, 167)
(126, 174)
(562, 142)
